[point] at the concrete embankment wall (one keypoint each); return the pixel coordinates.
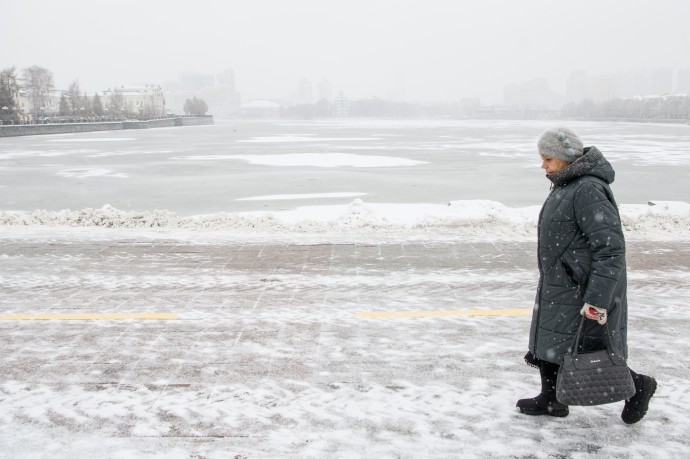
(195, 121)
(65, 128)
(39, 129)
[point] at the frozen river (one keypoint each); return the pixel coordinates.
(272, 165)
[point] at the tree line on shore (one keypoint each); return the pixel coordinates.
(671, 107)
(34, 97)
(38, 90)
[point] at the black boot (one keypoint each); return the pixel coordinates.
(637, 405)
(545, 403)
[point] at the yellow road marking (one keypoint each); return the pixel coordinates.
(448, 313)
(93, 316)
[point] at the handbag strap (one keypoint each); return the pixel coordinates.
(608, 343)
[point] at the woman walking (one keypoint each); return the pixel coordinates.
(581, 256)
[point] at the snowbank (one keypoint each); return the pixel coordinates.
(476, 218)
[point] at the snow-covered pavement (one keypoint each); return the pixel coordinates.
(265, 350)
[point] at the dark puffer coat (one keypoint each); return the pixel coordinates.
(581, 253)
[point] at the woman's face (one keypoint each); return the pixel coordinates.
(553, 165)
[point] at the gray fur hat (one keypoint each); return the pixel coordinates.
(561, 143)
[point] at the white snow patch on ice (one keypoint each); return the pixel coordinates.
(296, 138)
(90, 172)
(378, 147)
(313, 160)
(284, 197)
(44, 153)
(129, 152)
(93, 139)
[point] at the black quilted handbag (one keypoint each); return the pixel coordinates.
(593, 378)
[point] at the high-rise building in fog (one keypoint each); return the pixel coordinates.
(230, 97)
(661, 82)
(578, 86)
(304, 95)
(218, 91)
(631, 84)
(656, 82)
(603, 87)
(683, 81)
(226, 78)
(143, 100)
(636, 83)
(325, 90)
(341, 105)
(190, 81)
(533, 94)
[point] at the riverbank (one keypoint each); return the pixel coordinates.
(117, 346)
(635, 120)
(67, 128)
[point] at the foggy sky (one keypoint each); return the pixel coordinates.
(439, 50)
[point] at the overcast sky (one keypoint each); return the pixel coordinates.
(439, 49)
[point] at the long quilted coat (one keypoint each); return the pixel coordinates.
(581, 252)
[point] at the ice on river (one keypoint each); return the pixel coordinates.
(213, 169)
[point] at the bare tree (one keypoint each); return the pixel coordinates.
(74, 97)
(116, 103)
(86, 108)
(9, 93)
(39, 83)
(64, 108)
(97, 105)
(195, 106)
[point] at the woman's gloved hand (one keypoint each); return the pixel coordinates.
(594, 313)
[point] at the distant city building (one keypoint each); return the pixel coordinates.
(190, 81)
(304, 95)
(661, 82)
(229, 98)
(144, 100)
(22, 105)
(533, 94)
(654, 82)
(325, 90)
(260, 109)
(341, 105)
(683, 81)
(47, 106)
(603, 88)
(226, 78)
(218, 91)
(632, 84)
(52, 104)
(578, 86)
